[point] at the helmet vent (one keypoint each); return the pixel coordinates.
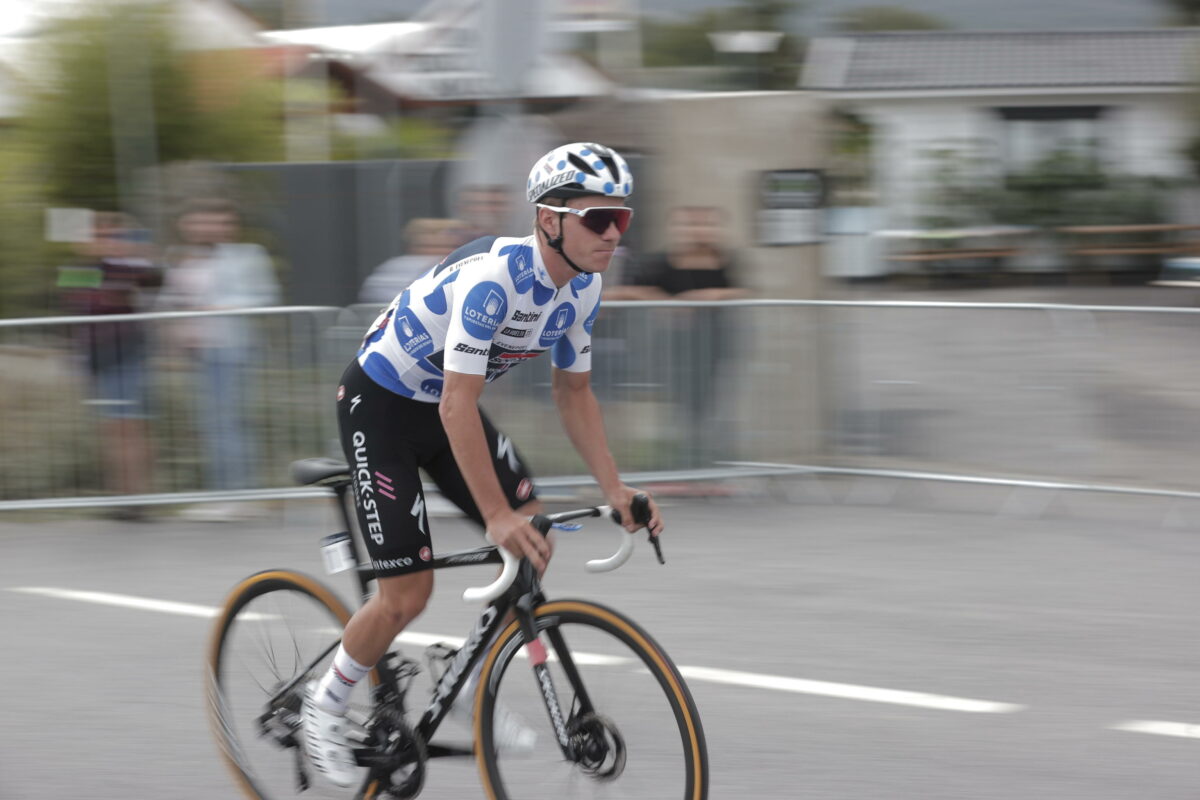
(580, 164)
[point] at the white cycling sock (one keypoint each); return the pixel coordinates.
(333, 692)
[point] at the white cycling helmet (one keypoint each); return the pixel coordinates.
(581, 168)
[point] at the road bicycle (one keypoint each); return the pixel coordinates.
(612, 715)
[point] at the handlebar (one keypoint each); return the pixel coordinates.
(639, 507)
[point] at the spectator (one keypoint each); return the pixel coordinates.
(484, 209)
(427, 241)
(210, 270)
(114, 278)
(696, 265)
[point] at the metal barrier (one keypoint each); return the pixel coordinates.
(1089, 397)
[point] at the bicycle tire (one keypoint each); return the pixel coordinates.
(622, 726)
(233, 705)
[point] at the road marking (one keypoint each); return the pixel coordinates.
(847, 691)
(121, 601)
(730, 677)
(1159, 728)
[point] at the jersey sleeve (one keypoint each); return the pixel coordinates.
(573, 352)
(482, 297)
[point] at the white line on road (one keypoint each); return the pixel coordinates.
(847, 691)
(121, 600)
(1159, 728)
(730, 677)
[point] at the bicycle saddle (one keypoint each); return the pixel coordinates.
(308, 471)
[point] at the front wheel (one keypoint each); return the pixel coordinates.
(277, 631)
(631, 727)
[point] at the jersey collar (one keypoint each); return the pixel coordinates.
(539, 266)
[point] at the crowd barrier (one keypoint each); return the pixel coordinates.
(1098, 397)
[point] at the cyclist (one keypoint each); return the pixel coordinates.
(409, 400)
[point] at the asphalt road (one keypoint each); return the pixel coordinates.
(1022, 644)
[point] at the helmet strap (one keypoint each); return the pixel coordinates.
(555, 244)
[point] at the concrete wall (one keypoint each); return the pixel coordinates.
(712, 150)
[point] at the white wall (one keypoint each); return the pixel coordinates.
(1143, 135)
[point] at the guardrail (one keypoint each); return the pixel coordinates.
(1020, 394)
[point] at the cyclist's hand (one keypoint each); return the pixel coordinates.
(620, 501)
(513, 532)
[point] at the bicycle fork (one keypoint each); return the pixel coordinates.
(538, 657)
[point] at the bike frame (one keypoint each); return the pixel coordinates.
(521, 600)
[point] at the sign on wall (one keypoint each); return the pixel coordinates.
(790, 207)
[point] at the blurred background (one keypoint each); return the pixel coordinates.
(204, 202)
(904, 338)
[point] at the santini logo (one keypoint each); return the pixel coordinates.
(462, 347)
(526, 316)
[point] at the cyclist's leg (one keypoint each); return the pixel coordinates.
(384, 437)
(381, 438)
(515, 477)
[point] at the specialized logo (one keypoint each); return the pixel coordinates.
(364, 488)
(561, 319)
(469, 558)
(354, 401)
(506, 452)
(526, 316)
(414, 338)
(516, 333)
(463, 347)
(418, 511)
(484, 309)
(542, 187)
(551, 698)
(455, 669)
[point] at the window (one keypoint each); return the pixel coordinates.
(1066, 139)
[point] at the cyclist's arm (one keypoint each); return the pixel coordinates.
(459, 410)
(584, 424)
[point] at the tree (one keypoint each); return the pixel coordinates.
(125, 98)
(686, 43)
(120, 98)
(887, 18)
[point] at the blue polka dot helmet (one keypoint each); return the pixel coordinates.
(579, 169)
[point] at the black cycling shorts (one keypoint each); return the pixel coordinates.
(387, 440)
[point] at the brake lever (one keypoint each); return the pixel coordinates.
(639, 509)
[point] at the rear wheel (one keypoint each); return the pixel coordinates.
(277, 631)
(632, 728)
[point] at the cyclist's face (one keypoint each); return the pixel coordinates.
(590, 250)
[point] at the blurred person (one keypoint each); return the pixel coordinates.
(210, 270)
(427, 240)
(115, 277)
(484, 209)
(410, 399)
(697, 264)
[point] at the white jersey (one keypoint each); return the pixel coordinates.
(486, 306)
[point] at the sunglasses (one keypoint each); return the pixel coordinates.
(597, 218)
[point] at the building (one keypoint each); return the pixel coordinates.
(1120, 99)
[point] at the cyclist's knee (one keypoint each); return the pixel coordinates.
(403, 597)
